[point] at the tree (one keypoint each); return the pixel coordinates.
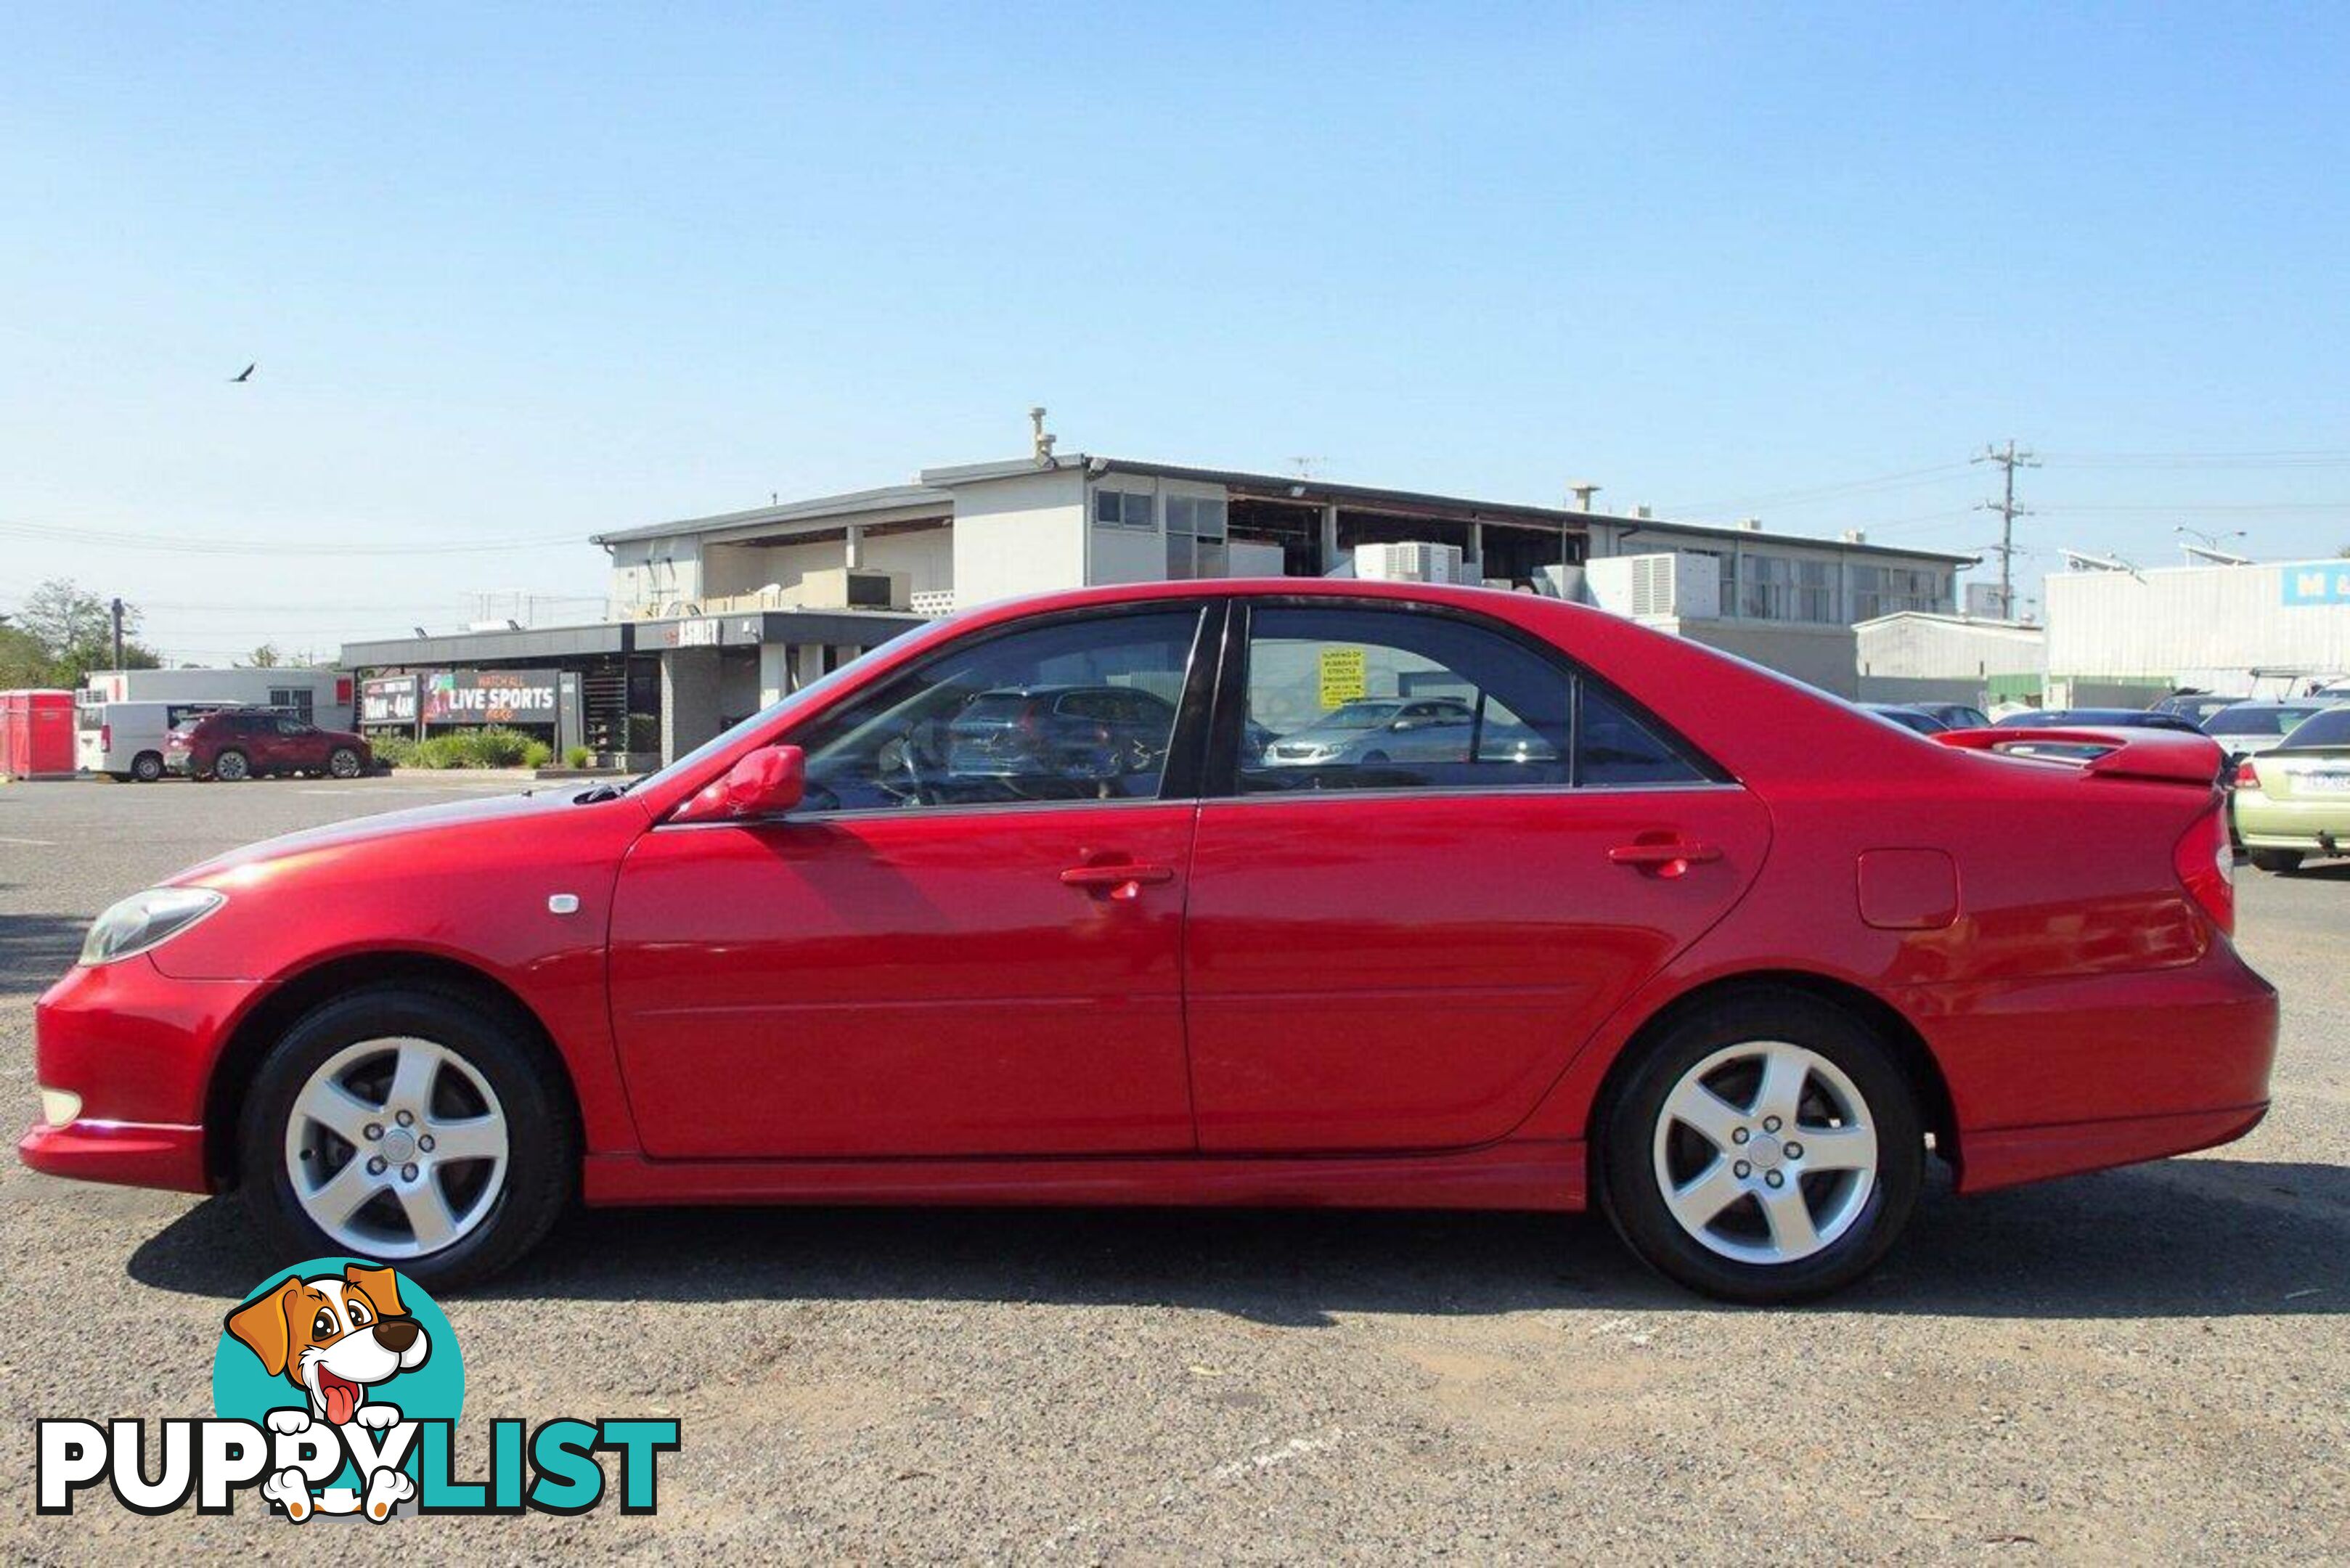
(264, 657)
(75, 631)
(23, 661)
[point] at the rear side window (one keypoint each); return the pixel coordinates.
(1616, 746)
(2331, 728)
(1356, 698)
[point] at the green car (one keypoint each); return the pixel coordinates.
(2293, 800)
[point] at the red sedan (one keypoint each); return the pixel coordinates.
(1594, 915)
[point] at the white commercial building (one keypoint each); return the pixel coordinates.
(2265, 628)
(1922, 656)
(710, 618)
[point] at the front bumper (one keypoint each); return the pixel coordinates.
(131, 1153)
(139, 1048)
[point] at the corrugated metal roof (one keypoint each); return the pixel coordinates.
(887, 498)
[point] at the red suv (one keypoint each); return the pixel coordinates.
(244, 742)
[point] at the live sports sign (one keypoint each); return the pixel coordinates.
(491, 697)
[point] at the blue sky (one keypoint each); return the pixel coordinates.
(521, 275)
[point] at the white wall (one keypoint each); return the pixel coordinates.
(926, 557)
(1023, 534)
(1925, 648)
(2164, 624)
(655, 571)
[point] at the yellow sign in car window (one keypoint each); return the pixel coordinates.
(1342, 675)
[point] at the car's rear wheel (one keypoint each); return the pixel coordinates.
(343, 762)
(408, 1125)
(2280, 861)
(146, 767)
(232, 766)
(1765, 1149)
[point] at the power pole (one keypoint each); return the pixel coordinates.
(2011, 459)
(117, 608)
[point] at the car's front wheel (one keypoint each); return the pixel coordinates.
(1763, 1148)
(343, 762)
(409, 1126)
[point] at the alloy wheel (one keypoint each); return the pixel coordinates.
(395, 1148)
(1766, 1152)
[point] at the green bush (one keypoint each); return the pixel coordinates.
(578, 757)
(493, 746)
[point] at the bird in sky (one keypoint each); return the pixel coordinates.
(245, 374)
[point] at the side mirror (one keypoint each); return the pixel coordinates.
(767, 783)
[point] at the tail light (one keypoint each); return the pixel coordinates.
(2206, 863)
(106, 737)
(2247, 776)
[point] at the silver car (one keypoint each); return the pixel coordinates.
(2248, 728)
(1374, 729)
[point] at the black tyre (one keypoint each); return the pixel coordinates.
(146, 767)
(2283, 862)
(415, 1126)
(232, 766)
(1765, 1148)
(343, 762)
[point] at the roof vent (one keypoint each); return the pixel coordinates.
(1583, 490)
(1040, 437)
(1752, 525)
(1855, 536)
(1643, 512)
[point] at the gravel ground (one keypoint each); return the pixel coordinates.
(2147, 1363)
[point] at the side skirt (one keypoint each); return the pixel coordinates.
(1546, 1174)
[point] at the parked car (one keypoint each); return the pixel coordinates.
(125, 741)
(2293, 800)
(1955, 715)
(2195, 707)
(1913, 718)
(240, 744)
(2248, 728)
(2096, 719)
(1060, 734)
(1726, 969)
(1369, 732)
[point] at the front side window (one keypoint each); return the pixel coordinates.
(1076, 710)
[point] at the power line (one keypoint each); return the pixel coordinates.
(2009, 459)
(178, 545)
(1808, 494)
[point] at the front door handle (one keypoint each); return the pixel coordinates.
(1119, 881)
(1670, 857)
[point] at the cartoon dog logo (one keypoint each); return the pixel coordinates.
(336, 1339)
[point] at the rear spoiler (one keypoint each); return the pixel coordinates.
(2166, 755)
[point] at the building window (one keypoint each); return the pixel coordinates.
(1195, 537)
(1122, 509)
(1887, 591)
(1814, 592)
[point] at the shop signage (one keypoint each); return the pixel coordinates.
(2318, 583)
(387, 700)
(491, 696)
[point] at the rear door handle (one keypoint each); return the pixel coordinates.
(1670, 859)
(1120, 882)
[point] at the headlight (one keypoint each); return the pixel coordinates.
(147, 920)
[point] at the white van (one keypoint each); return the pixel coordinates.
(126, 739)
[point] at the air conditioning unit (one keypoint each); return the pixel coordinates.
(1671, 585)
(849, 588)
(1413, 562)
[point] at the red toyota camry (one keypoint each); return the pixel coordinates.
(1281, 892)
